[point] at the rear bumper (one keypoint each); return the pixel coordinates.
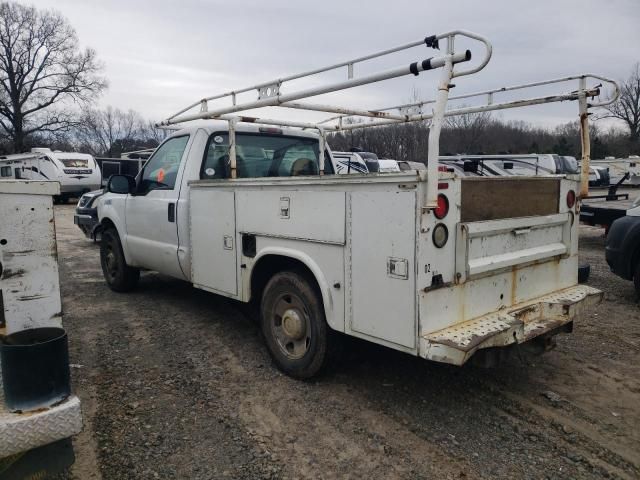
(513, 325)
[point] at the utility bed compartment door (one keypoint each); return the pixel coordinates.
(381, 266)
(492, 245)
(213, 240)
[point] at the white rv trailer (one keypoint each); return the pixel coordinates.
(77, 173)
(442, 268)
(619, 167)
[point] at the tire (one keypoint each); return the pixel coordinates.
(636, 280)
(119, 276)
(293, 325)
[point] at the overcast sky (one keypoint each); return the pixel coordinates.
(161, 55)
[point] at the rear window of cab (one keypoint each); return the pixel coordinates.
(263, 155)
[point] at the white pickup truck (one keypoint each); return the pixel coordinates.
(427, 263)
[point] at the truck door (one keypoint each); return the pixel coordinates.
(152, 232)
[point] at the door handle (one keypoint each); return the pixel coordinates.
(171, 213)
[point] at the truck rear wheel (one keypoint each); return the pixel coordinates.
(119, 276)
(293, 324)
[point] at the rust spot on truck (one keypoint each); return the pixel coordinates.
(26, 298)
(8, 273)
(377, 113)
(17, 253)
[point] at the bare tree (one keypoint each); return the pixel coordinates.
(154, 134)
(102, 132)
(627, 108)
(43, 72)
(469, 129)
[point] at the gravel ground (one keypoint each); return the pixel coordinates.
(176, 383)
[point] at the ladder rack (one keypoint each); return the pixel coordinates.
(272, 94)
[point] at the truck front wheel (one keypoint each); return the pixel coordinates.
(293, 324)
(119, 276)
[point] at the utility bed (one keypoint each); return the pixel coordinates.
(369, 242)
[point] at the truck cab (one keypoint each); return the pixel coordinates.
(154, 219)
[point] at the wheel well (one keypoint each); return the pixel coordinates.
(635, 259)
(107, 223)
(269, 265)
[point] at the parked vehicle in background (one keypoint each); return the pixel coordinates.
(405, 166)
(623, 245)
(427, 263)
(77, 173)
(86, 215)
(349, 162)
(617, 168)
(512, 165)
(599, 176)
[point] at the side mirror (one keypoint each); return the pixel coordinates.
(122, 184)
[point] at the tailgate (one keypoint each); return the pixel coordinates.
(493, 245)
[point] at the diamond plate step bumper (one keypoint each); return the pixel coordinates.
(20, 432)
(517, 324)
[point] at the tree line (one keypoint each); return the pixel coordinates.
(473, 134)
(49, 87)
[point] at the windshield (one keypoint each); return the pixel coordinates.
(75, 162)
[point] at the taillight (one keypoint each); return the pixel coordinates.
(443, 168)
(571, 198)
(440, 235)
(443, 207)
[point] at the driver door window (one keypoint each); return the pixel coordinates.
(161, 170)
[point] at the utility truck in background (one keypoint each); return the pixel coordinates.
(435, 265)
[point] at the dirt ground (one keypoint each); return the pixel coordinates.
(176, 383)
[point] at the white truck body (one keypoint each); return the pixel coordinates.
(77, 173)
(425, 262)
(367, 239)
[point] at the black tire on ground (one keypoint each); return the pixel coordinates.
(119, 276)
(294, 325)
(636, 280)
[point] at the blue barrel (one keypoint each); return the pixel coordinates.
(35, 368)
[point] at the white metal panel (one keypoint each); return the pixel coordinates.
(29, 282)
(381, 230)
(497, 244)
(301, 214)
(28, 187)
(214, 240)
